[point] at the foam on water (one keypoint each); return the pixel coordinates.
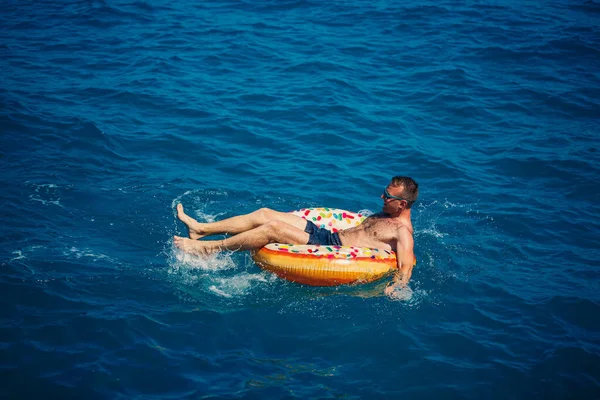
(46, 194)
(213, 262)
(93, 256)
(222, 273)
(240, 284)
(19, 255)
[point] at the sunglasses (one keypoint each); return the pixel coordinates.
(387, 195)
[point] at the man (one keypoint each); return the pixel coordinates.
(390, 229)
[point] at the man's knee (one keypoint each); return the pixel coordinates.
(275, 229)
(266, 214)
(275, 225)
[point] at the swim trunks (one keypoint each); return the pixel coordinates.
(321, 235)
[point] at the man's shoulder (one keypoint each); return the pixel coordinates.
(405, 232)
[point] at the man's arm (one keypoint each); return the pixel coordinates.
(405, 258)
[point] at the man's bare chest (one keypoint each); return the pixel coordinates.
(380, 228)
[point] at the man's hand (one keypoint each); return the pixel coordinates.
(398, 291)
(390, 289)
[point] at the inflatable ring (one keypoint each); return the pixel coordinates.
(321, 265)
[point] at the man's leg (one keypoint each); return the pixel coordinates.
(271, 232)
(235, 225)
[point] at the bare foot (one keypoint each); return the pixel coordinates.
(197, 247)
(195, 230)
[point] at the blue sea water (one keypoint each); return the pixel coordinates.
(112, 112)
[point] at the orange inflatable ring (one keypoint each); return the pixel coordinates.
(320, 265)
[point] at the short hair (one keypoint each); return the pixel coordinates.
(410, 188)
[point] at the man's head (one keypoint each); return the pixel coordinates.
(400, 194)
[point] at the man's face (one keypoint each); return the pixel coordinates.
(392, 205)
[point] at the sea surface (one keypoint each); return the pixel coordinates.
(113, 112)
